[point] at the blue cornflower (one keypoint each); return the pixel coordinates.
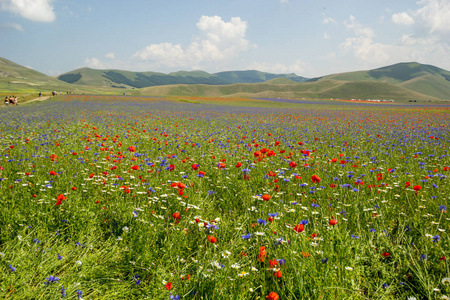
(355, 236)
(79, 294)
(314, 204)
(63, 292)
(176, 297)
(135, 213)
(150, 189)
(324, 260)
(12, 268)
(51, 279)
(407, 228)
(281, 261)
(136, 278)
(423, 257)
(273, 215)
(436, 238)
(304, 222)
(262, 222)
(59, 256)
(247, 236)
(443, 208)
(372, 230)
(384, 286)
(211, 192)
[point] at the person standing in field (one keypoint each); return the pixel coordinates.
(6, 100)
(40, 94)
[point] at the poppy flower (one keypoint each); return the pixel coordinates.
(334, 160)
(333, 222)
(417, 188)
(212, 239)
(277, 274)
(273, 296)
(266, 197)
(262, 254)
(238, 165)
(176, 215)
(272, 174)
(52, 173)
(168, 286)
(74, 188)
(135, 167)
(132, 148)
(385, 254)
(292, 164)
(299, 228)
(315, 179)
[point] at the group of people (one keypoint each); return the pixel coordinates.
(11, 100)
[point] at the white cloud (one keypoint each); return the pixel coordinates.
(366, 50)
(326, 36)
(10, 27)
(297, 67)
(435, 14)
(328, 21)
(95, 63)
(284, 1)
(358, 28)
(217, 41)
(402, 18)
(33, 10)
(110, 55)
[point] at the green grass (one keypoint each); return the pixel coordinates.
(119, 163)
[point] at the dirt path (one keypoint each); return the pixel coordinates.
(37, 99)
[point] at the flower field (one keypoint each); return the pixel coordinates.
(128, 198)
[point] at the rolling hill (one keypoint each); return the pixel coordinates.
(401, 82)
(127, 79)
(424, 79)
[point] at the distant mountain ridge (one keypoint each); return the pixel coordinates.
(128, 79)
(401, 82)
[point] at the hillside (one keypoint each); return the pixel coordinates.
(17, 79)
(424, 79)
(128, 79)
(323, 89)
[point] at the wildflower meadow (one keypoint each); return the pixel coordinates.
(105, 197)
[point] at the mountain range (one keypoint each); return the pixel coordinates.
(402, 82)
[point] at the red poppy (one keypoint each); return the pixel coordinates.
(272, 174)
(74, 188)
(334, 160)
(273, 296)
(270, 219)
(176, 215)
(181, 185)
(417, 188)
(385, 254)
(277, 274)
(315, 179)
(266, 197)
(333, 222)
(299, 228)
(408, 184)
(168, 286)
(262, 254)
(238, 165)
(273, 263)
(132, 148)
(135, 167)
(292, 164)
(52, 173)
(212, 239)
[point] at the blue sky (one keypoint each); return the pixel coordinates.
(307, 37)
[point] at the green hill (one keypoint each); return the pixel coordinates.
(17, 79)
(127, 79)
(424, 79)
